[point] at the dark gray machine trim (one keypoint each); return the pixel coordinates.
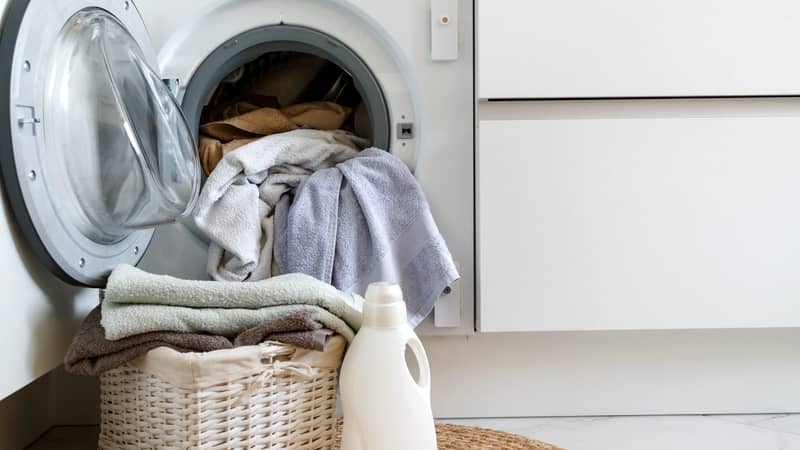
(251, 44)
(8, 167)
(53, 254)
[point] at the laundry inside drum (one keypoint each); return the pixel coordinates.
(279, 92)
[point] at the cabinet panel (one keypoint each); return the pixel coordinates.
(674, 215)
(637, 48)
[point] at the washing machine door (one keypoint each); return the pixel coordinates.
(95, 150)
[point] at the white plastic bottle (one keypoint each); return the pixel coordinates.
(384, 407)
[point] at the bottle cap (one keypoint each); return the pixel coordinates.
(384, 306)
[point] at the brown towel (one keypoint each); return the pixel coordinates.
(91, 353)
(223, 136)
(286, 330)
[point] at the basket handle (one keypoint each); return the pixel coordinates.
(277, 369)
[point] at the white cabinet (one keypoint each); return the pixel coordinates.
(669, 214)
(603, 206)
(637, 48)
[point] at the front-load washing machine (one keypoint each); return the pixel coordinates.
(103, 102)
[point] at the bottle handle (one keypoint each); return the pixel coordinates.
(424, 382)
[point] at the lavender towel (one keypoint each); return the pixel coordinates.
(365, 220)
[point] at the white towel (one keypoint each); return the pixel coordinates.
(235, 206)
(139, 302)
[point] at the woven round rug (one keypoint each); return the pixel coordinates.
(460, 437)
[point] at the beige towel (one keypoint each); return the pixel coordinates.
(236, 107)
(221, 137)
(213, 368)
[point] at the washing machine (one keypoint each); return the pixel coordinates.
(102, 102)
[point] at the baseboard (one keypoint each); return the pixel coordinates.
(615, 373)
(75, 399)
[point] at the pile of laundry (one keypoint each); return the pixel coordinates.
(288, 191)
(301, 214)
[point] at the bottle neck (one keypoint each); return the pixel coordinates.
(384, 315)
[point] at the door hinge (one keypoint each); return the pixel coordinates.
(173, 84)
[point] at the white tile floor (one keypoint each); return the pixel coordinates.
(738, 432)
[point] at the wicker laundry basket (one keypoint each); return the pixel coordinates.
(256, 397)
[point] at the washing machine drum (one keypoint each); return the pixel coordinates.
(95, 150)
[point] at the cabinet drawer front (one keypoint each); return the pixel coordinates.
(638, 48)
(607, 216)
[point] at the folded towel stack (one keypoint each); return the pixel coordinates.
(142, 311)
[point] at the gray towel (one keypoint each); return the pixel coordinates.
(138, 302)
(362, 221)
(92, 354)
(235, 206)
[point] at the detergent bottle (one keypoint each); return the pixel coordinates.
(385, 406)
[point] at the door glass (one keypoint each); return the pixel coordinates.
(119, 154)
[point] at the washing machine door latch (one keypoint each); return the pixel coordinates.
(405, 130)
(26, 116)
